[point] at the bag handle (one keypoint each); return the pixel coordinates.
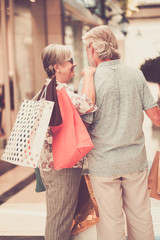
(158, 184)
(43, 94)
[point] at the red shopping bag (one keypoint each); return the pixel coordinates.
(71, 141)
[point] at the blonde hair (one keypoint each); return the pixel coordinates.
(103, 41)
(54, 54)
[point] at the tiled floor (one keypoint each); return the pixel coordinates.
(22, 214)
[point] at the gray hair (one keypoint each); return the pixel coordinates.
(54, 54)
(103, 41)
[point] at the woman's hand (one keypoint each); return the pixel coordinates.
(88, 85)
(88, 71)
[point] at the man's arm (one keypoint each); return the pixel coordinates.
(154, 115)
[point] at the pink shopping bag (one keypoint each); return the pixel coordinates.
(71, 141)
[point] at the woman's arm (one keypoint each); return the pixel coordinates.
(84, 102)
(88, 85)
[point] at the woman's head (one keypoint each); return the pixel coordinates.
(103, 41)
(57, 61)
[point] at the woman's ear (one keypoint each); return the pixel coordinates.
(57, 68)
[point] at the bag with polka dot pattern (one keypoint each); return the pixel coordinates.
(28, 133)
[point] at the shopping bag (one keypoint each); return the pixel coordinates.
(71, 141)
(154, 178)
(39, 183)
(27, 136)
(86, 214)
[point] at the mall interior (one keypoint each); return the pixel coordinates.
(26, 27)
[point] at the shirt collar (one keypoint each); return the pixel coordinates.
(109, 63)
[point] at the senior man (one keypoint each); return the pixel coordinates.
(118, 163)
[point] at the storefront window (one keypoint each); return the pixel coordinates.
(29, 42)
(24, 48)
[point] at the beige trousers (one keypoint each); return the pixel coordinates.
(127, 194)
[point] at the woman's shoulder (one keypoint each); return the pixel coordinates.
(65, 86)
(60, 85)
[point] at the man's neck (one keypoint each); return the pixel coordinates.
(98, 61)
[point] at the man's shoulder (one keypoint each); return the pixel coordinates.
(130, 68)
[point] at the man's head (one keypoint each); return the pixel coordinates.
(101, 43)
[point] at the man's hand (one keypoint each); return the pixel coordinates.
(154, 115)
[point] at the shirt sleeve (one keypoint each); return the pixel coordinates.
(148, 100)
(82, 103)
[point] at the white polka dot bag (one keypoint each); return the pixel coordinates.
(28, 133)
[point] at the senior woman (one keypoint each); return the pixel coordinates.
(62, 185)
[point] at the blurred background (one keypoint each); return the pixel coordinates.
(26, 27)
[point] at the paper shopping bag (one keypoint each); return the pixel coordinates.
(86, 214)
(71, 141)
(154, 178)
(27, 136)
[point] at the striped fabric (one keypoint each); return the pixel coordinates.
(61, 198)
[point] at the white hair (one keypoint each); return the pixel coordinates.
(54, 54)
(103, 41)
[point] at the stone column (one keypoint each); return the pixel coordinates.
(39, 42)
(55, 25)
(78, 52)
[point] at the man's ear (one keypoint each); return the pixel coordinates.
(92, 49)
